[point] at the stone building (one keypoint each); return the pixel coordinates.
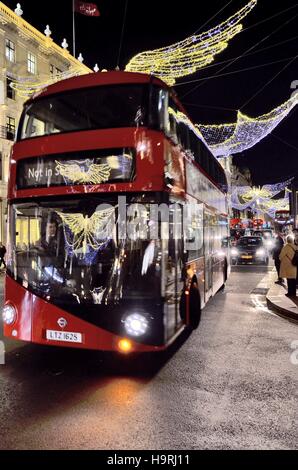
(26, 56)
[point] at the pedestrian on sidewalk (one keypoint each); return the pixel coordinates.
(279, 244)
(2, 254)
(295, 233)
(287, 268)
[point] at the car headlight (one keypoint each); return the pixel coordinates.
(260, 252)
(136, 324)
(234, 251)
(9, 314)
(269, 243)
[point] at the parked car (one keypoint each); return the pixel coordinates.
(250, 250)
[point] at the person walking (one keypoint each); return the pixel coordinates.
(2, 254)
(295, 233)
(279, 243)
(287, 268)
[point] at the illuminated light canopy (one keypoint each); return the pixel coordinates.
(244, 197)
(273, 205)
(227, 139)
(187, 56)
(26, 87)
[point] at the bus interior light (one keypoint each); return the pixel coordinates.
(136, 324)
(9, 314)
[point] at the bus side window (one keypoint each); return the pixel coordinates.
(194, 145)
(159, 118)
(183, 136)
(193, 232)
(203, 157)
(173, 129)
(171, 132)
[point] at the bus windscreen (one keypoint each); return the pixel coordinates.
(101, 107)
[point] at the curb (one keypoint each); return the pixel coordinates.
(280, 304)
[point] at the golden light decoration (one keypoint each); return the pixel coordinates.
(227, 139)
(244, 197)
(26, 87)
(273, 205)
(256, 193)
(187, 56)
(96, 173)
(86, 231)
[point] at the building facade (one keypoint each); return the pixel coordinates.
(30, 57)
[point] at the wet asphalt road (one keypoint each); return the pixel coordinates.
(229, 385)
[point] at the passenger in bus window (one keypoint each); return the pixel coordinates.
(2, 254)
(50, 241)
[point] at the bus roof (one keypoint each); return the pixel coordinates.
(97, 79)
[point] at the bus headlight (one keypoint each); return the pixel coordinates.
(260, 252)
(136, 324)
(9, 314)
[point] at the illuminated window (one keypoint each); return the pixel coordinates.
(10, 127)
(31, 63)
(10, 50)
(10, 92)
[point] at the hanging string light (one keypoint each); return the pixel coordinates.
(273, 205)
(25, 87)
(244, 197)
(187, 56)
(227, 139)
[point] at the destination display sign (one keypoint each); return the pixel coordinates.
(77, 168)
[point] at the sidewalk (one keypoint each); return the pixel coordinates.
(282, 305)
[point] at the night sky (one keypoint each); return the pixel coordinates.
(159, 23)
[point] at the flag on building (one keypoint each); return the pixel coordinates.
(88, 9)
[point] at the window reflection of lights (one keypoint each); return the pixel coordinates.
(53, 273)
(86, 231)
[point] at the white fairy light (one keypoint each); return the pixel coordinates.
(243, 197)
(25, 87)
(227, 139)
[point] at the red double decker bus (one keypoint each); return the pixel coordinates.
(80, 273)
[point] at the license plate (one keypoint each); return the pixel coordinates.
(246, 257)
(66, 336)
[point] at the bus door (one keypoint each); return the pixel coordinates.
(172, 272)
(208, 253)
